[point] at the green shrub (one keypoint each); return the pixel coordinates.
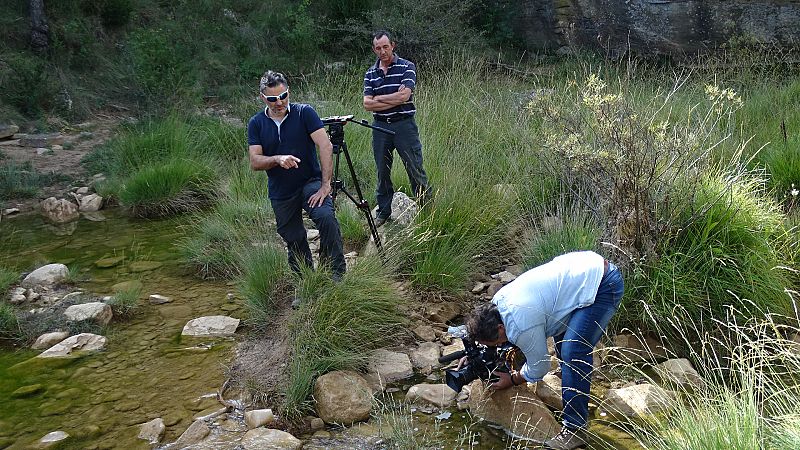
(168, 188)
(263, 283)
(7, 278)
(326, 335)
(558, 235)
(352, 224)
(212, 248)
(28, 83)
(124, 303)
(162, 65)
(9, 324)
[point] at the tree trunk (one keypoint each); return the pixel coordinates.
(40, 33)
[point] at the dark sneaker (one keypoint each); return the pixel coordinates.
(380, 221)
(567, 439)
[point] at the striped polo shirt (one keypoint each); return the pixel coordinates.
(401, 71)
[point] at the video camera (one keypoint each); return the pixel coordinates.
(482, 362)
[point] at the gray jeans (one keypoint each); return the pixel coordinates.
(406, 141)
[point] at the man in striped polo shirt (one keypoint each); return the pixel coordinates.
(388, 90)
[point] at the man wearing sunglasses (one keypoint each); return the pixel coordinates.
(388, 90)
(283, 139)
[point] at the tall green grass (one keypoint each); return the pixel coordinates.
(168, 188)
(7, 278)
(264, 282)
(9, 324)
(22, 180)
(125, 303)
(327, 335)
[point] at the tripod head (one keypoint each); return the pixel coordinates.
(336, 129)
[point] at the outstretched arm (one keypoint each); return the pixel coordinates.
(259, 161)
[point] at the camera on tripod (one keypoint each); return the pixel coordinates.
(482, 361)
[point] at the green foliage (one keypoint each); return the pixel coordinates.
(27, 83)
(263, 283)
(327, 336)
(124, 303)
(7, 278)
(22, 181)
(171, 187)
(114, 13)
(161, 64)
(9, 324)
(558, 235)
(352, 224)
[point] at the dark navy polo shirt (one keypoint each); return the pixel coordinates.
(376, 82)
(294, 139)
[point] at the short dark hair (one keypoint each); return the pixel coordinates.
(381, 33)
(482, 324)
(271, 79)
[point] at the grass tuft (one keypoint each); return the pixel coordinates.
(125, 303)
(263, 283)
(7, 278)
(173, 187)
(9, 324)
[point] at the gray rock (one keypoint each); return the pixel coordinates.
(80, 342)
(549, 391)
(196, 432)
(56, 148)
(53, 438)
(637, 401)
(98, 312)
(426, 355)
(152, 431)
(17, 299)
(10, 211)
(46, 276)
(679, 372)
(82, 190)
(312, 234)
(269, 439)
(439, 395)
(258, 418)
(91, 203)
(343, 397)
(404, 209)
(42, 140)
(48, 340)
(211, 326)
(505, 277)
(425, 332)
(479, 287)
(390, 366)
(59, 211)
(156, 299)
(8, 130)
(517, 409)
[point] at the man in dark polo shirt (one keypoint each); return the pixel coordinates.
(388, 91)
(282, 140)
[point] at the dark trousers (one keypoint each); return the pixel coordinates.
(289, 219)
(406, 141)
(574, 347)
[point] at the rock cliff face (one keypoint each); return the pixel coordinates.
(657, 26)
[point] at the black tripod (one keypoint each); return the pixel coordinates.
(336, 131)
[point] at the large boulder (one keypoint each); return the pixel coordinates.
(517, 409)
(435, 394)
(46, 276)
(152, 431)
(390, 366)
(80, 342)
(269, 439)
(97, 312)
(211, 326)
(343, 397)
(59, 211)
(637, 401)
(48, 340)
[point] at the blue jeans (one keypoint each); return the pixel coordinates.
(289, 219)
(574, 347)
(406, 141)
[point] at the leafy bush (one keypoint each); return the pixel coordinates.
(162, 65)
(168, 188)
(327, 336)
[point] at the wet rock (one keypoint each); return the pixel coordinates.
(127, 405)
(196, 432)
(390, 366)
(404, 209)
(106, 263)
(46, 276)
(133, 285)
(7, 130)
(435, 394)
(679, 372)
(144, 266)
(211, 326)
(258, 418)
(48, 340)
(425, 332)
(42, 140)
(79, 342)
(637, 401)
(343, 397)
(91, 203)
(516, 409)
(442, 312)
(426, 355)
(549, 391)
(157, 299)
(267, 439)
(52, 439)
(59, 211)
(97, 312)
(27, 391)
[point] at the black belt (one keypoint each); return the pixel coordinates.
(393, 119)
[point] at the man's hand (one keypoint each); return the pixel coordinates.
(319, 197)
(287, 161)
(504, 381)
